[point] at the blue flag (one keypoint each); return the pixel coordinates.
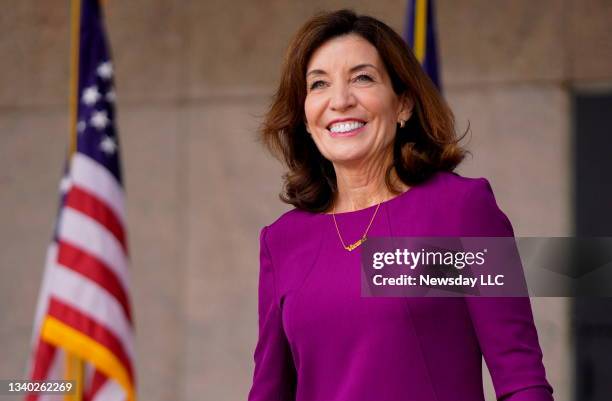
(420, 34)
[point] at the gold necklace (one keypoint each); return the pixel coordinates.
(360, 241)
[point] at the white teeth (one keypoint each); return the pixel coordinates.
(345, 127)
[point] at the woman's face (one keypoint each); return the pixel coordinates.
(351, 109)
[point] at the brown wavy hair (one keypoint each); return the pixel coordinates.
(427, 143)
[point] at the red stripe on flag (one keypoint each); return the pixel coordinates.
(99, 333)
(98, 210)
(45, 353)
(97, 382)
(91, 267)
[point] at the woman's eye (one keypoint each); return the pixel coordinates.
(316, 84)
(364, 78)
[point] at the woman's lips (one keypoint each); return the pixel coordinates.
(347, 133)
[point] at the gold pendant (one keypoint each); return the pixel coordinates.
(354, 245)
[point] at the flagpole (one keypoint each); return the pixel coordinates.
(74, 365)
(74, 371)
(420, 29)
(74, 72)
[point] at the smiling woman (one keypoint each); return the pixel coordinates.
(341, 72)
(350, 96)
(370, 149)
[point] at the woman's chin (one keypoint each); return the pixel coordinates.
(347, 158)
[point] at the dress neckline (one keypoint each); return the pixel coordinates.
(371, 208)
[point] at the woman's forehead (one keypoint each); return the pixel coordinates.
(346, 51)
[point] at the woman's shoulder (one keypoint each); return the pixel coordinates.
(459, 205)
(451, 184)
(480, 212)
(466, 192)
(449, 191)
(289, 219)
(294, 228)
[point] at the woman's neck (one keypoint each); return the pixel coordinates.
(362, 187)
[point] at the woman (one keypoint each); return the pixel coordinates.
(370, 148)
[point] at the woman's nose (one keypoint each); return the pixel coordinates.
(341, 97)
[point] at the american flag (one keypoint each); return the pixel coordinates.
(83, 312)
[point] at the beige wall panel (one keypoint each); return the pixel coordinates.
(232, 192)
(520, 142)
(492, 41)
(34, 44)
(589, 44)
(240, 44)
(152, 163)
(32, 149)
(147, 39)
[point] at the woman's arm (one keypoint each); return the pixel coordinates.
(504, 326)
(509, 342)
(274, 377)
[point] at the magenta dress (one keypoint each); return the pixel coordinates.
(319, 340)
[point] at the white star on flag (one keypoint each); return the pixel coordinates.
(99, 119)
(108, 145)
(65, 184)
(81, 125)
(110, 96)
(105, 70)
(91, 95)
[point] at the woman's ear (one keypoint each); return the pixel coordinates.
(406, 107)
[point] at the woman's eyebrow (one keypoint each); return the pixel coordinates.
(353, 69)
(362, 66)
(315, 72)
